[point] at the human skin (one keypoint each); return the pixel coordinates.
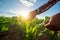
(42, 9)
(54, 22)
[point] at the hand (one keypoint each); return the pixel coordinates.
(32, 15)
(54, 23)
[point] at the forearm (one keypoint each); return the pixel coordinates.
(46, 6)
(42, 9)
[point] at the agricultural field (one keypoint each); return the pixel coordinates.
(17, 28)
(29, 19)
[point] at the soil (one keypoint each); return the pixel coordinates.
(12, 34)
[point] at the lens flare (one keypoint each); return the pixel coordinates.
(23, 13)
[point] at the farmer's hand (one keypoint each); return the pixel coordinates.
(54, 22)
(32, 15)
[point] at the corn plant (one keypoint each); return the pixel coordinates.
(30, 29)
(5, 22)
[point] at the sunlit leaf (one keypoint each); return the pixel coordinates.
(4, 29)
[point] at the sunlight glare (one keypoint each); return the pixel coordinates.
(23, 13)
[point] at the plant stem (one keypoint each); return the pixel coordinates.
(55, 36)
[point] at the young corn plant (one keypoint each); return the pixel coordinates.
(30, 29)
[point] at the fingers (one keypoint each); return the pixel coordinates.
(54, 22)
(32, 15)
(49, 25)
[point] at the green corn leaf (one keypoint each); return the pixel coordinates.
(35, 28)
(4, 29)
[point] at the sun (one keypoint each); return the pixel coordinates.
(23, 13)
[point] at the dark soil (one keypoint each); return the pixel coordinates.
(13, 34)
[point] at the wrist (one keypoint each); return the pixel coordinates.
(38, 11)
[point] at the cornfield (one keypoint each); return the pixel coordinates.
(14, 28)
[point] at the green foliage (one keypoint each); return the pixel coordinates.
(4, 29)
(5, 22)
(30, 30)
(47, 18)
(34, 29)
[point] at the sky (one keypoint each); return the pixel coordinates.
(15, 7)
